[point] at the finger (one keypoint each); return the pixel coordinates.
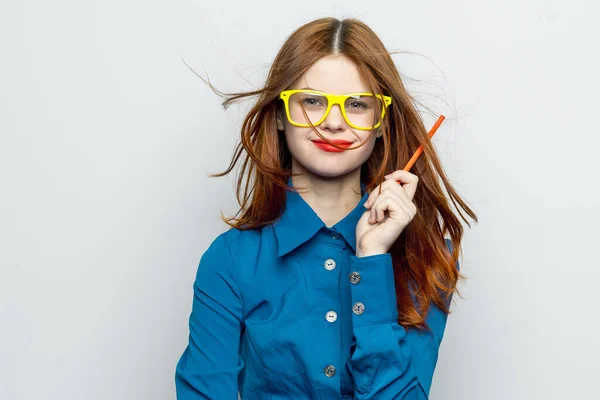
(388, 188)
(392, 186)
(372, 196)
(407, 180)
(391, 203)
(373, 218)
(394, 207)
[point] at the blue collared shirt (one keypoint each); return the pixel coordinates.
(290, 312)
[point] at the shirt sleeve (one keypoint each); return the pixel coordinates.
(210, 365)
(387, 362)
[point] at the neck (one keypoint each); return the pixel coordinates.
(330, 198)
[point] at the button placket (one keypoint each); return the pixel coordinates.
(358, 308)
(331, 316)
(329, 371)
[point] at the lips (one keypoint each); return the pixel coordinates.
(321, 144)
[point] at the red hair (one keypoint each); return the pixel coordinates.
(422, 262)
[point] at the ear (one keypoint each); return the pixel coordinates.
(279, 118)
(378, 133)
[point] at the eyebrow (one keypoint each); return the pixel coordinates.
(309, 88)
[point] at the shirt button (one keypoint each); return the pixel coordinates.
(335, 235)
(329, 264)
(329, 371)
(354, 278)
(358, 308)
(331, 316)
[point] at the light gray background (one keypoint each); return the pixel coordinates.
(105, 206)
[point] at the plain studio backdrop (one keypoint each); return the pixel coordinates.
(107, 138)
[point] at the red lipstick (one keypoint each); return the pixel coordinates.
(327, 147)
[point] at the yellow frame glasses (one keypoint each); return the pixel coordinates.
(332, 99)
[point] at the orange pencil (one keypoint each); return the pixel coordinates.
(420, 149)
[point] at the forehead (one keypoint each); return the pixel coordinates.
(333, 74)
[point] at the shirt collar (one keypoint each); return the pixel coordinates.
(299, 222)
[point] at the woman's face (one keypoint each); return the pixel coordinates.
(336, 75)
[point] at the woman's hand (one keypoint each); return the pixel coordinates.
(387, 214)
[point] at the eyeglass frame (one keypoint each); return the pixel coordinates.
(333, 99)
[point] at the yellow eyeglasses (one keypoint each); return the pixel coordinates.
(362, 111)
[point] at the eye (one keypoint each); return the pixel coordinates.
(311, 101)
(358, 104)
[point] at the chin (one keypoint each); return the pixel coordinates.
(330, 174)
(330, 170)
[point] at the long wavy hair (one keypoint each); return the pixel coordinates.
(421, 260)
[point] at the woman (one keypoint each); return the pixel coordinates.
(336, 279)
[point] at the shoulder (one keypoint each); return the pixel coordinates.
(231, 259)
(241, 243)
(222, 255)
(235, 247)
(450, 246)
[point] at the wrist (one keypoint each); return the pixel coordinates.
(369, 252)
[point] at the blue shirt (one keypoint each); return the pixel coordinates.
(289, 312)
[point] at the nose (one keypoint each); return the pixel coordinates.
(334, 120)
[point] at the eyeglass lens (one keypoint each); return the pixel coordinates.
(361, 111)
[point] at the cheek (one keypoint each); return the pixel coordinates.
(295, 135)
(366, 151)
